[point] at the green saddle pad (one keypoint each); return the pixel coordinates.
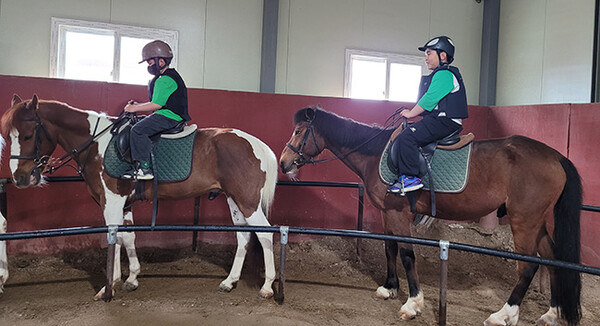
(173, 158)
(449, 169)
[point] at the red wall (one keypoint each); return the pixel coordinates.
(568, 128)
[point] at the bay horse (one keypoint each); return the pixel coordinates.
(224, 160)
(519, 177)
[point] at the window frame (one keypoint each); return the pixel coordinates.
(389, 59)
(60, 26)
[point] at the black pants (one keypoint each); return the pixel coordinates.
(420, 133)
(147, 131)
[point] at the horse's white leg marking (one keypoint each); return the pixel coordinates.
(113, 214)
(507, 316)
(128, 240)
(15, 149)
(550, 318)
(412, 307)
(258, 218)
(3, 257)
(266, 240)
(242, 241)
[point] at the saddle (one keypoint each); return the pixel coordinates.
(453, 143)
(171, 156)
(122, 127)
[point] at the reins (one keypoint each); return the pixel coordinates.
(389, 122)
(71, 155)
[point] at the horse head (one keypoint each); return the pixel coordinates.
(305, 143)
(29, 141)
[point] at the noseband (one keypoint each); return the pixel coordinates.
(301, 160)
(36, 158)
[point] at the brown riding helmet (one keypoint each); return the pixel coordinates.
(156, 49)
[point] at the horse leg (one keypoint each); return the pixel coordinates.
(524, 244)
(3, 257)
(398, 223)
(127, 239)
(416, 301)
(389, 290)
(113, 215)
(550, 318)
(238, 262)
(266, 240)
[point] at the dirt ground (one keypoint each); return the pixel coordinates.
(325, 285)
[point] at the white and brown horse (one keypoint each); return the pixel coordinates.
(527, 181)
(224, 160)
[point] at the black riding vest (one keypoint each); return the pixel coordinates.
(178, 101)
(453, 104)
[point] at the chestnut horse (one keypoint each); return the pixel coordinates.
(224, 160)
(523, 179)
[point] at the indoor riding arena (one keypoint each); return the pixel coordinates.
(276, 210)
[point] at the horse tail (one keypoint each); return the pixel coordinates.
(268, 191)
(2, 143)
(567, 212)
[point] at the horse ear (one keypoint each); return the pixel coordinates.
(309, 114)
(16, 99)
(34, 103)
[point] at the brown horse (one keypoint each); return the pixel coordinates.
(523, 179)
(224, 160)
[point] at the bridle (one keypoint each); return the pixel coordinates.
(41, 160)
(38, 159)
(301, 160)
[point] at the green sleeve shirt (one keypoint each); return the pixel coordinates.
(442, 84)
(163, 88)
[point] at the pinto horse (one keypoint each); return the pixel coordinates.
(523, 179)
(224, 160)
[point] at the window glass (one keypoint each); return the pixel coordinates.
(131, 71)
(88, 56)
(383, 76)
(404, 82)
(102, 51)
(368, 78)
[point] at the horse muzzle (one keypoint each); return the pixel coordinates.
(24, 180)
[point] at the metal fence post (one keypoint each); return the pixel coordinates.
(283, 231)
(444, 245)
(111, 236)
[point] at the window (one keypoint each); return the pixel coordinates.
(383, 76)
(103, 52)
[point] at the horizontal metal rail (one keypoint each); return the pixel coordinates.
(299, 230)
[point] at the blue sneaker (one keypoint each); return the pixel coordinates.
(405, 184)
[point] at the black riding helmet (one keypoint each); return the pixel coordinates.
(441, 43)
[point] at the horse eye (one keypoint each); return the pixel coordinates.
(297, 132)
(28, 137)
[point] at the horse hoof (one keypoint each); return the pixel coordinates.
(383, 294)
(100, 295)
(265, 294)
(489, 322)
(406, 316)
(128, 286)
(225, 288)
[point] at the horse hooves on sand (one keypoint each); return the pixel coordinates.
(383, 293)
(265, 294)
(127, 286)
(225, 288)
(100, 295)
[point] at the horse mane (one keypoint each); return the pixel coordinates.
(6, 123)
(348, 133)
